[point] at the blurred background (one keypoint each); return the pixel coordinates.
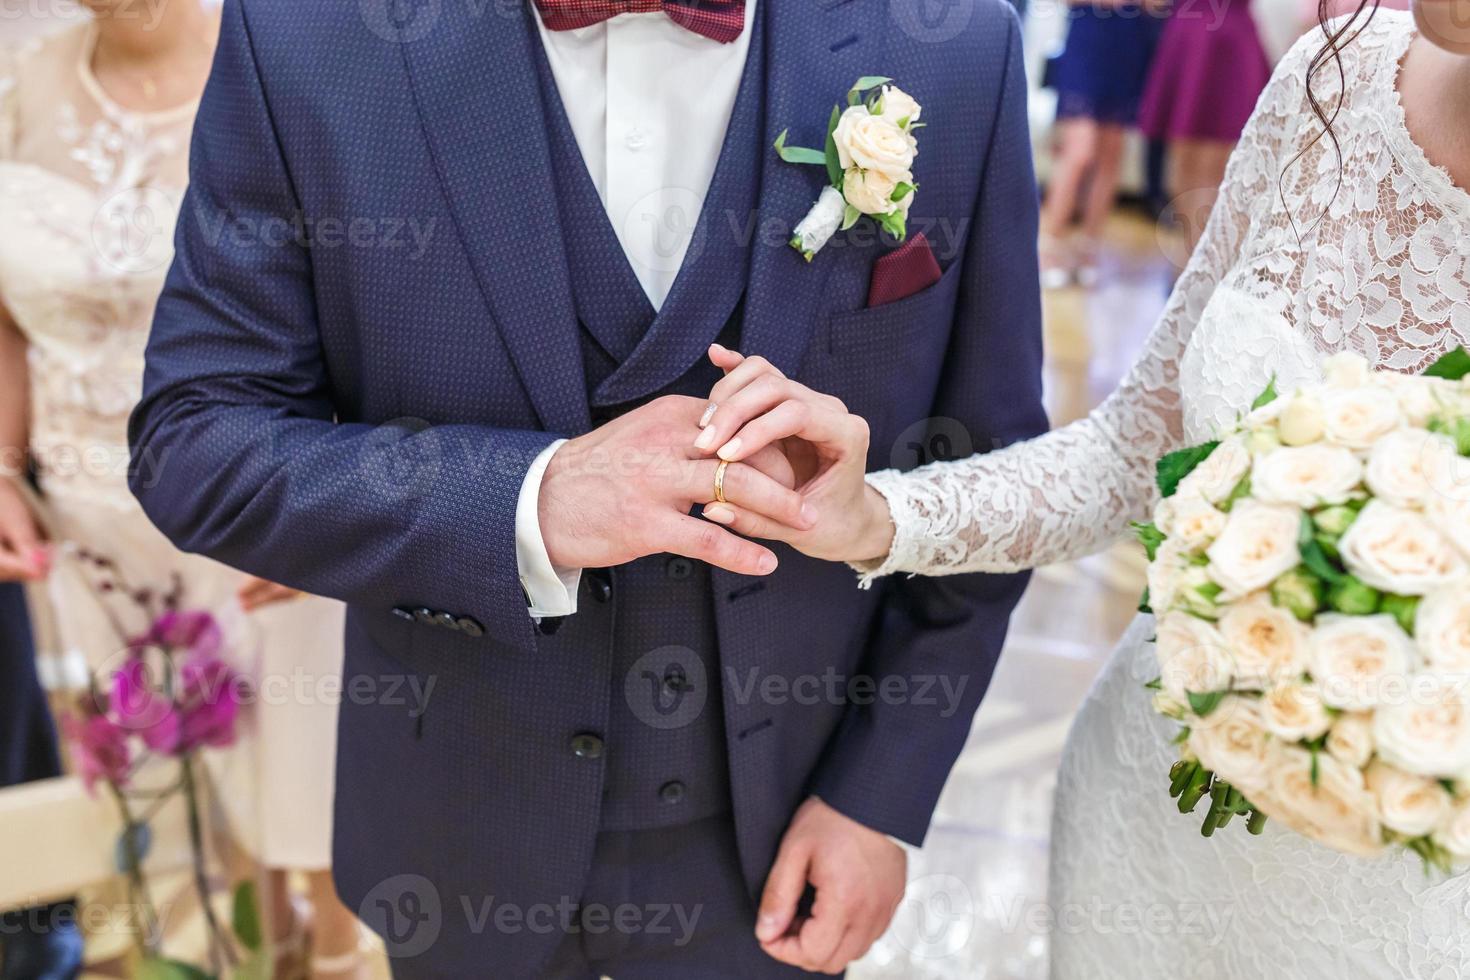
(1129, 153)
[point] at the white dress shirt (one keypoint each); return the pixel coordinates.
(649, 102)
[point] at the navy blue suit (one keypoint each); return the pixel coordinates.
(355, 419)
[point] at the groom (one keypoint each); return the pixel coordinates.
(649, 746)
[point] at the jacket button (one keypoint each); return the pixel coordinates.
(549, 625)
(672, 793)
(470, 626)
(587, 746)
(447, 621)
(600, 587)
(424, 616)
(679, 568)
(675, 680)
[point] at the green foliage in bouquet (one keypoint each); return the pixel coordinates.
(1177, 465)
(1451, 366)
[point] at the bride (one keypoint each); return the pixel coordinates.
(1342, 225)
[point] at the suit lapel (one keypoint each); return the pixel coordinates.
(496, 174)
(712, 278)
(814, 52)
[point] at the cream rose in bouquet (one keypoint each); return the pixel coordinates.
(1310, 575)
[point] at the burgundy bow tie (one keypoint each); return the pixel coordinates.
(718, 20)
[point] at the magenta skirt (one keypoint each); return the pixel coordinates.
(1209, 71)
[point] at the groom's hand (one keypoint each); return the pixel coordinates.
(625, 490)
(859, 876)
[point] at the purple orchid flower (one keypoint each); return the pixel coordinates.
(101, 748)
(188, 629)
(209, 703)
(140, 709)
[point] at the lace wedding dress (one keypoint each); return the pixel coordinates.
(89, 195)
(1380, 266)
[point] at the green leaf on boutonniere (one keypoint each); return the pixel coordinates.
(903, 123)
(1177, 465)
(830, 157)
(903, 190)
(850, 216)
(860, 86)
(797, 154)
(894, 223)
(1453, 365)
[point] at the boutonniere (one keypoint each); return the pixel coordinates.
(869, 156)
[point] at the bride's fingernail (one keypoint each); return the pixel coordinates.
(809, 514)
(767, 564)
(720, 515)
(730, 450)
(709, 413)
(706, 440)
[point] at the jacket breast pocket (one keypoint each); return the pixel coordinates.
(884, 361)
(872, 328)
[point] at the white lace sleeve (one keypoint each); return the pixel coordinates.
(1072, 491)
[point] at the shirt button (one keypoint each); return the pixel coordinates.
(679, 568)
(672, 793)
(587, 746)
(635, 140)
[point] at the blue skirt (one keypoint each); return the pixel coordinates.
(1101, 72)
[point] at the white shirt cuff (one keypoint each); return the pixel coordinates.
(551, 591)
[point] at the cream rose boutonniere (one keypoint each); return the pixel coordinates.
(869, 156)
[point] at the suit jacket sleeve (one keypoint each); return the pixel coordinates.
(238, 450)
(887, 764)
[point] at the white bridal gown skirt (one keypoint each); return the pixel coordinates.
(1138, 894)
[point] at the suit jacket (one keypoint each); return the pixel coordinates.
(349, 409)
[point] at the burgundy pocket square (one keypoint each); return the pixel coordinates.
(903, 272)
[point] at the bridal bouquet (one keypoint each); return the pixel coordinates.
(1310, 575)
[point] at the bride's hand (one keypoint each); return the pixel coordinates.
(24, 555)
(754, 407)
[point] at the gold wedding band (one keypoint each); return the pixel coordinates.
(720, 481)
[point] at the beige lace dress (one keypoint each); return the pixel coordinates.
(89, 196)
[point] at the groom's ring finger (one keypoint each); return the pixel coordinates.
(749, 488)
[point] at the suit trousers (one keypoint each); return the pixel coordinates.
(666, 904)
